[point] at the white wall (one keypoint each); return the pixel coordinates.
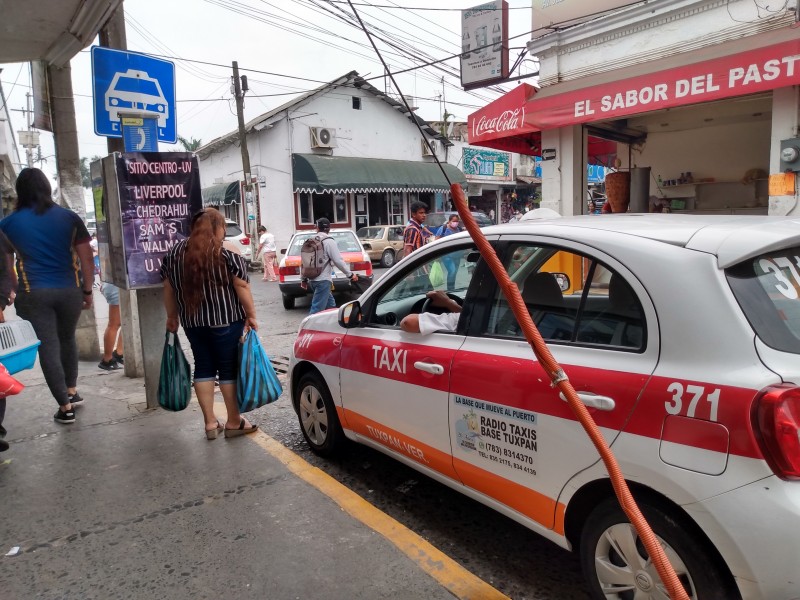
(724, 153)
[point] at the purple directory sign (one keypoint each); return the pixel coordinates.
(158, 194)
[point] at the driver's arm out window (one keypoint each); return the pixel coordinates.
(450, 272)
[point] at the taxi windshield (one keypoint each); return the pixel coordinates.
(767, 288)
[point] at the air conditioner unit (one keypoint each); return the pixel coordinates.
(323, 137)
(426, 151)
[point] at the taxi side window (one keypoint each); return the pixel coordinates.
(396, 234)
(450, 272)
(571, 298)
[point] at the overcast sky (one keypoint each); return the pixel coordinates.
(285, 47)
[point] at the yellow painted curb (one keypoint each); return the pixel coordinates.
(452, 576)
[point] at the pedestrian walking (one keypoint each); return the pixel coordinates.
(268, 252)
(8, 287)
(55, 273)
(113, 348)
(415, 234)
(450, 263)
(207, 290)
(320, 278)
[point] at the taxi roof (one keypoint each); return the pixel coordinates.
(731, 238)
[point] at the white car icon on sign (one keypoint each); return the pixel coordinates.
(136, 90)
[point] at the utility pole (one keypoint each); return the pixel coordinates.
(252, 208)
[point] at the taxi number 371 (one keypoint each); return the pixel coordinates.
(693, 395)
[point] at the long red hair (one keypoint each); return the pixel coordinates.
(203, 260)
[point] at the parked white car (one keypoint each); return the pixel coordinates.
(681, 334)
(235, 235)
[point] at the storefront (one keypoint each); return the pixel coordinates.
(490, 179)
(699, 131)
(357, 192)
(225, 197)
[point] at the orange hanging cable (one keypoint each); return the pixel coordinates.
(557, 376)
(559, 379)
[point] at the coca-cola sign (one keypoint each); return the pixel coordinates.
(507, 121)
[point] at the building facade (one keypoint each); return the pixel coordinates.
(692, 97)
(344, 151)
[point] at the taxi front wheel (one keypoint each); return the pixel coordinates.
(617, 565)
(317, 414)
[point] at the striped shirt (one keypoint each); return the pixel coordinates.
(220, 305)
(415, 235)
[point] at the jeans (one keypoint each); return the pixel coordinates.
(216, 351)
(323, 297)
(54, 314)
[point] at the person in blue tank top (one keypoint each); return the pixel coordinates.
(55, 272)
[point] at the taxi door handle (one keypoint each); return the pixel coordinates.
(593, 400)
(429, 367)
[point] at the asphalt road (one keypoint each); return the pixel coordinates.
(514, 560)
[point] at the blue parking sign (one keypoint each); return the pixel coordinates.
(129, 81)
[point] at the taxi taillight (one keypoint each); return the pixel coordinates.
(362, 266)
(245, 241)
(776, 421)
(283, 271)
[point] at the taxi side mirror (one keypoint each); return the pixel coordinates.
(283, 250)
(350, 315)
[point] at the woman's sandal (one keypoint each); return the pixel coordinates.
(241, 430)
(211, 434)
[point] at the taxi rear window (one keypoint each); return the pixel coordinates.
(768, 290)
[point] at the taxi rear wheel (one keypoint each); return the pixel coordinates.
(617, 565)
(387, 259)
(288, 302)
(317, 415)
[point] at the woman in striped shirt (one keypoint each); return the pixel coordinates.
(207, 290)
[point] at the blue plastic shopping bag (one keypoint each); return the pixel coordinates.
(257, 384)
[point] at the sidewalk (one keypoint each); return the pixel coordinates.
(136, 503)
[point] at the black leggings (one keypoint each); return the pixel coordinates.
(54, 314)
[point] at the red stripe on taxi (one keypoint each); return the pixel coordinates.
(521, 383)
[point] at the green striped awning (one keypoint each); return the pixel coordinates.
(221, 194)
(320, 173)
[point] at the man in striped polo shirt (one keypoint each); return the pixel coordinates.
(415, 233)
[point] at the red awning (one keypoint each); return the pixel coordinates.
(514, 121)
(502, 125)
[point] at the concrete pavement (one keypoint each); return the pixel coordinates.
(136, 503)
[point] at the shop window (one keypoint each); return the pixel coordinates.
(316, 206)
(356, 103)
(304, 209)
(340, 203)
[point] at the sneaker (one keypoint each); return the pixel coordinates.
(64, 417)
(111, 365)
(118, 357)
(75, 400)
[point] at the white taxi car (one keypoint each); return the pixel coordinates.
(680, 333)
(352, 252)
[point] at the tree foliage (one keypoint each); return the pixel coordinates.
(190, 145)
(86, 176)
